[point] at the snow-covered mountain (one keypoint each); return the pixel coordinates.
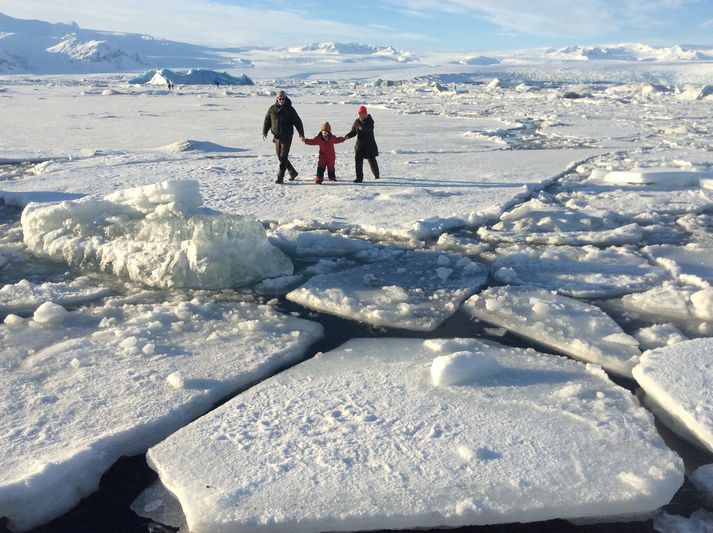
(34, 46)
(354, 49)
(37, 47)
(631, 52)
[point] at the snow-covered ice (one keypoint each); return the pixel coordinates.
(416, 290)
(570, 326)
(678, 379)
(541, 222)
(691, 263)
(156, 235)
(359, 438)
(79, 389)
(24, 296)
(582, 272)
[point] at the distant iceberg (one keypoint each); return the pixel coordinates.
(195, 76)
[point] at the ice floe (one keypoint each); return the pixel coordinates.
(690, 263)
(156, 235)
(542, 222)
(673, 177)
(80, 389)
(700, 521)
(24, 296)
(583, 272)
(678, 380)
(416, 290)
(685, 307)
(702, 478)
(570, 326)
(359, 438)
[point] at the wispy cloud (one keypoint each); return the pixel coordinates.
(558, 18)
(198, 21)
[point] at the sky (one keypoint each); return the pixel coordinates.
(414, 25)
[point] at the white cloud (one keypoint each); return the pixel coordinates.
(197, 21)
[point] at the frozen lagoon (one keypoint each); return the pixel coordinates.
(417, 206)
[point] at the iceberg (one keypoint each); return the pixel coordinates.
(156, 235)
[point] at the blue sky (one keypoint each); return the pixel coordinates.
(416, 25)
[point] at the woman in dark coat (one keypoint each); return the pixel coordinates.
(365, 147)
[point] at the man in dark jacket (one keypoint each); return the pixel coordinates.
(281, 118)
(365, 147)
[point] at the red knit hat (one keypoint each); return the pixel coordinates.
(362, 110)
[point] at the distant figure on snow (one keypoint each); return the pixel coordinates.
(365, 147)
(217, 84)
(327, 157)
(281, 118)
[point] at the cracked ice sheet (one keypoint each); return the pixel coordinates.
(679, 380)
(417, 290)
(78, 392)
(25, 296)
(575, 328)
(581, 272)
(359, 438)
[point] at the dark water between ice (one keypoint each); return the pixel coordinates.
(108, 509)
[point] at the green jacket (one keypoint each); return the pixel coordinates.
(281, 119)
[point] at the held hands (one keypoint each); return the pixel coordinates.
(302, 138)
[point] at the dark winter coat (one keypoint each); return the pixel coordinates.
(327, 156)
(364, 132)
(280, 119)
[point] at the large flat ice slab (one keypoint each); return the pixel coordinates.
(415, 290)
(679, 379)
(157, 235)
(570, 326)
(80, 389)
(360, 438)
(581, 272)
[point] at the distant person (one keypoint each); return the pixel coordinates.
(217, 84)
(327, 157)
(280, 119)
(365, 147)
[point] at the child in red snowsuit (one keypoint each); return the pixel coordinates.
(327, 158)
